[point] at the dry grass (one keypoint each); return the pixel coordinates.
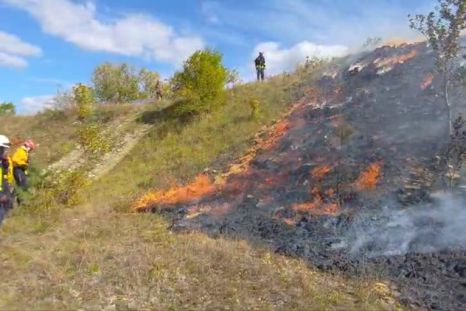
(95, 259)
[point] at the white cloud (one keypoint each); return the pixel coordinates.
(14, 45)
(7, 60)
(347, 22)
(34, 104)
(129, 35)
(286, 59)
(13, 51)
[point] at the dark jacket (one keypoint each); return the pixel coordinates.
(260, 62)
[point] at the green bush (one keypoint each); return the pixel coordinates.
(92, 139)
(7, 108)
(117, 83)
(55, 188)
(200, 87)
(84, 100)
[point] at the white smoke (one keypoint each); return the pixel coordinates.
(437, 226)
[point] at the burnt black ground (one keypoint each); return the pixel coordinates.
(390, 120)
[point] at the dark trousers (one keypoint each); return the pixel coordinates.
(20, 177)
(260, 74)
(6, 202)
(3, 211)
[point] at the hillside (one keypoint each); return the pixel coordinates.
(102, 255)
(348, 181)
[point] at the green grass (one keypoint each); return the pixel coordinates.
(174, 151)
(97, 255)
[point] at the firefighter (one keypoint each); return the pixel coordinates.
(158, 90)
(20, 161)
(259, 62)
(6, 178)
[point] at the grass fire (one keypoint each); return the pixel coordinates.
(233, 155)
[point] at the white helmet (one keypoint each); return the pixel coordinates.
(4, 141)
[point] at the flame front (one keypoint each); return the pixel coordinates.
(384, 65)
(200, 187)
(370, 177)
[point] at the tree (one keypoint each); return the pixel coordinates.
(84, 100)
(442, 28)
(116, 83)
(7, 108)
(148, 82)
(200, 86)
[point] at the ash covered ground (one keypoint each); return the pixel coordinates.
(348, 181)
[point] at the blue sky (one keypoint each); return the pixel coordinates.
(47, 45)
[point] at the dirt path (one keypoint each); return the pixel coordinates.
(117, 128)
(111, 159)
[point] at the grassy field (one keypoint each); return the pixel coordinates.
(101, 255)
(100, 258)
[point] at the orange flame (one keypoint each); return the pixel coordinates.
(317, 208)
(200, 187)
(428, 79)
(320, 171)
(386, 64)
(289, 221)
(370, 177)
(278, 130)
(273, 134)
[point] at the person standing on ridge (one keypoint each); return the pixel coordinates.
(159, 90)
(260, 66)
(6, 178)
(20, 161)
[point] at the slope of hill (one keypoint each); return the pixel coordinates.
(347, 181)
(56, 131)
(99, 256)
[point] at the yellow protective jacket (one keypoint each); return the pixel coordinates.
(8, 175)
(21, 158)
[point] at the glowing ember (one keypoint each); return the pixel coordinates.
(200, 187)
(370, 177)
(427, 81)
(317, 208)
(289, 221)
(279, 129)
(320, 171)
